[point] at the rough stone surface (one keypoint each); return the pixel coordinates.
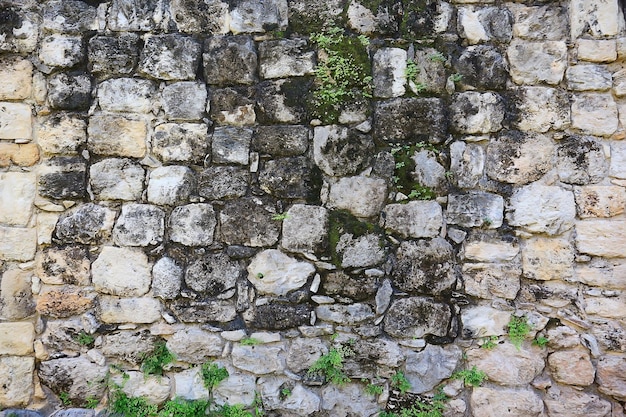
(69, 92)
(542, 209)
(65, 302)
(184, 142)
(195, 345)
(522, 366)
(17, 244)
(139, 225)
(563, 401)
(129, 310)
(62, 133)
(63, 178)
(113, 55)
(213, 274)
(389, 70)
(280, 140)
(519, 158)
(185, 100)
(581, 160)
(111, 270)
(305, 229)
(394, 121)
(116, 136)
(475, 209)
(610, 376)
(541, 22)
(66, 265)
(426, 369)
(467, 163)
(15, 121)
(347, 400)
(290, 178)
(79, 377)
(61, 51)
(416, 219)
(537, 62)
(117, 179)
(170, 185)
(474, 112)
(539, 109)
(259, 360)
(285, 58)
(588, 77)
(194, 16)
(485, 24)
(600, 237)
(170, 57)
(509, 402)
(223, 182)
(17, 195)
(18, 386)
(417, 317)
(155, 389)
(273, 272)
(16, 338)
(572, 367)
(167, 276)
(230, 60)
(545, 259)
(192, 224)
(362, 196)
(231, 145)
(126, 95)
(128, 345)
(360, 252)
(248, 221)
(85, 224)
(599, 201)
(489, 280)
(339, 151)
(484, 321)
(594, 113)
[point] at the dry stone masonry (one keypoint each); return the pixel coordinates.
(413, 193)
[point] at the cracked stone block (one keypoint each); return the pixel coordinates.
(113, 55)
(223, 182)
(117, 135)
(63, 177)
(181, 142)
(170, 57)
(539, 109)
(395, 121)
(537, 62)
(117, 179)
(192, 224)
(86, 224)
(230, 60)
(200, 16)
(139, 225)
(248, 221)
(135, 16)
(474, 112)
(213, 274)
(167, 277)
(231, 145)
(250, 16)
(113, 267)
(185, 100)
(482, 66)
(581, 160)
(126, 95)
(285, 58)
(69, 92)
(485, 24)
(61, 51)
(475, 209)
(16, 78)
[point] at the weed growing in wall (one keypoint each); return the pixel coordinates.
(330, 365)
(473, 377)
(518, 329)
(154, 363)
(404, 167)
(400, 382)
(424, 407)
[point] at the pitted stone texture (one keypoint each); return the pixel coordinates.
(489, 280)
(69, 92)
(417, 317)
(484, 321)
(249, 16)
(205, 16)
(539, 109)
(485, 247)
(194, 345)
(539, 208)
(362, 196)
(589, 17)
(305, 229)
(18, 244)
(618, 160)
(113, 268)
(155, 389)
(139, 225)
(230, 60)
(61, 51)
(185, 100)
(21, 30)
(537, 62)
(273, 272)
(545, 259)
(519, 158)
(416, 219)
(192, 224)
(612, 308)
(281, 140)
(484, 24)
(611, 376)
(248, 221)
(167, 277)
(348, 400)
(63, 178)
(128, 345)
(15, 121)
(541, 22)
(132, 16)
(581, 160)
(236, 389)
(604, 50)
(588, 77)
(482, 66)
(357, 286)
(303, 352)
(181, 142)
(601, 237)
(213, 274)
(142, 310)
(475, 209)
(432, 73)
(426, 369)
(126, 95)
(17, 389)
(564, 401)
(344, 314)
(599, 201)
(16, 338)
(171, 185)
(474, 112)
(389, 71)
(522, 366)
(506, 402)
(360, 252)
(77, 377)
(117, 179)
(425, 267)
(17, 195)
(117, 135)
(395, 121)
(233, 106)
(231, 145)
(285, 58)
(572, 367)
(428, 171)
(339, 151)
(61, 133)
(283, 101)
(292, 178)
(65, 265)
(467, 163)
(219, 311)
(65, 302)
(223, 182)
(259, 359)
(23, 155)
(16, 78)
(279, 316)
(16, 301)
(188, 384)
(69, 17)
(113, 55)
(594, 113)
(88, 223)
(170, 57)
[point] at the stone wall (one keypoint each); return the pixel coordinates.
(245, 184)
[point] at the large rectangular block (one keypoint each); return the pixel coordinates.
(602, 238)
(17, 244)
(17, 195)
(16, 77)
(15, 121)
(16, 338)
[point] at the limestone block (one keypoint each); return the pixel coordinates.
(428, 171)
(139, 225)
(522, 366)
(358, 287)
(280, 316)
(612, 376)
(171, 185)
(61, 133)
(229, 106)
(537, 62)
(474, 112)
(196, 346)
(594, 113)
(545, 259)
(519, 158)
(303, 352)
(484, 321)
(236, 389)
(282, 101)
(581, 160)
(539, 109)
(65, 302)
(132, 16)
(280, 140)
(475, 209)
(192, 224)
(129, 310)
(129, 345)
(223, 182)
(539, 208)
(16, 338)
(601, 237)
(21, 31)
(113, 267)
(251, 16)
(25, 155)
(273, 272)
(416, 219)
(181, 142)
(248, 221)
(17, 244)
(346, 314)
(65, 265)
(291, 178)
(259, 360)
(46, 221)
(69, 92)
(389, 71)
(360, 252)
(113, 55)
(480, 66)
(597, 50)
(187, 311)
(486, 248)
(61, 51)
(506, 402)
(80, 377)
(126, 95)
(600, 19)
(167, 276)
(155, 389)
(87, 223)
(114, 135)
(567, 402)
(69, 17)
(489, 280)
(16, 78)
(213, 274)
(17, 195)
(428, 368)
(601, 275)
(572, 367)
(362, 196)
(619, 83)
(600, 201)
(185, 100)
(230, 60)
(305, 229)
(200, 16)
(612, 308)
(63, 177)
(542, 22)
(417, 317)
(16, 300)
(618, 160)
(117, 179)
(15, 121)
(170, 57)
(339, 151)
(17, 389)
(588, 77)
(395, 121)
(188, 384)
(231, 145)
(482, 24)
(431, 77)
(285, 58)
(336, 401)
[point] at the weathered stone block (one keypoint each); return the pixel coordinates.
(334, 401)
(200, 16)
(79, 377)
(485, 247)
(25, 155)
(223, 182)
(252, 16)
(280, 140)
(171, 185)
(467, 162)
(167, 276)
(600, 201)
(569, 402)
(283, 101)
(475, 209)
(126, 95)
(61, 51)
(69, 92)
(285, 58)
(279, 316)
(506, 402)
(415, 219)
(248, 221)
(15, 121)
(230, 60)
(61, 133)
(238, 388)
(273, 272)
(185, 100)
(482, 66)
(426, 369)
(587, 17)
(362, 196)
(18, 380)
(339, 151)
(360, 252)
(17, 244)
(292, 178)
(113, 55)
(594, 113)
(16, 299)
(21, 30)
(305, 229)
(17, 195)
(581, 160)
(71, 16)
(117, 179)
(601, 238)
(65, 302)
(63, 178)
(233, 106)
(143, 310)
(192, 224)
(539, 109)
(389, 72)
(154, 388)
(474, 112)
(483, 24)
(170, 57)
(489, 280)
(357, 287)
(348, 314)
(431, 77)
(65, 265)
(539, 208)
(417, 317)
(231, 145)
(303, 352)
(618, 160)
(130, 346)
(116, 136)
(572, 367)
(259, 360)
(133, 16)
(483, 321)
(213, 274)
(545, 259)
(16, 338)
(195, 345)
(588, 77)
(181, 142)
(611, 308)
(111, 271)
(537, 62)
(611, 376)
(217, 311)
(414, 119)
(16, 77)
(139, 225)
(542, 22)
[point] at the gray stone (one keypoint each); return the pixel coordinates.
(16, 297)
(395, 121)
(236, 389)
(300, 402)
(522, 366)
(16, 412)
(273, 272)
(69, 17)
(475, 209)
(20, 34)
(564, 401)
(358, 287)
(188, 384)
(426, 369)
(251, 16)
(281, 140)
(428, 171)
(279, 316)
(181, 142)
(130, 346)
(506, 402)
(474, 112)
(431, 77)
(87, 223)
(581, 160)
(117, 135)
(69, 92)
(599, 201)
(482, 66)
(248, 221)
(291, 178)
(132, 16)
(415, 219)
(519, 158)
(344, 314)
(489, 280)
(192, 224)
(259, 359)
(537, 62)
(61, 51)
(305, 229)
(171, 185)
(78, 377)
(110, 272)
(360, 252)
(362, 196)
(200, 16)
(17, 389)
(482, 24)
(170, 57)
(229, 60)
(233, 106)
(417, 317)
(223, 182)
(63, 177)
(539, 208)
(572, 367)
(425, 266)
(219, 311)
(383, 296)
(185, 100)
(195, 346)
(285, 58)
(141, 310)
(303, 352)
(339, 151)
(541, 22)
(213, 274)
(539, 109)
(389, 72)
(342, 401)
(64, 265)
(595, 113)
(618, 160)
(126, 95)
(467, 163)
(155, 389)
(231, 145)
(167, 276)
(139, 225)
(588, 77)
(117, 179)
(113, 55)
(585, 17)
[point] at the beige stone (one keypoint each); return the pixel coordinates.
(117, 136)
(17, 196)
(114, 266)
(17, 243)
(17, 377)
(545, 259)
(594, 113)
(619, 83)
(567, 402)
(15, 121)
(613, 308)
(16, 338)
(61, 134)
(602, 275)
(617, 168)
(522, 365)
(46, 223)
(489, 280)
(601, 238)
(600, 17)
(155, 389)
(16, 300)
(129, 310)
(596, 50)
(484, 321)
(542, 108)
(611, 376)
(600, 201)
(572, 367)
(24, 155)
(65, 302)
(363, 196)
(537, 62)
(16, 78)
(487, 251)
(507, 402)
(68, 265)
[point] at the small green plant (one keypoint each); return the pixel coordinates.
(212, 375)
(260, 275)
(280, 216)
(427, 407)
(285, 393)
(249, 341)
(402, 179)
(487, 222)
(257, 405)
(179, 407)
(373, 389)
(420, 192)
(127, 406)
(91, 402)
(540, 341)
(518, 330)
(419, 87)
(84, 339)
(154, 363)
(400, 382)
(437, 57)
(473, 377)
(330, 365)
(227, 410)
(490, 342)
(65, 398)
(412, 70)
(456, 77)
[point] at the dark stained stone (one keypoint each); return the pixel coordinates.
(277, 316)
(63, 178)
(292, 178)
(410, 119)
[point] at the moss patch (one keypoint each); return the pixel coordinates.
(342, 222)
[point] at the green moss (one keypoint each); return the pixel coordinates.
(416, 19)
(341, 222)
(405, 165)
